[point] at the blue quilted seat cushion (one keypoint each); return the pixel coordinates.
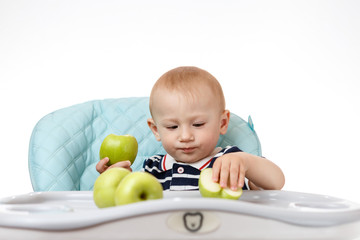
(64, 146)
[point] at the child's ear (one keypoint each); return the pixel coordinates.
(153, 128)
(224, 122)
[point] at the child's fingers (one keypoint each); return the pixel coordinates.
(241, 178)
(224, 174)
(122, 164)
(216, 171)
(126, 164)
(234, 177)
(101, 165)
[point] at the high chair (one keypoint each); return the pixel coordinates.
(64, 146)
(64, 149)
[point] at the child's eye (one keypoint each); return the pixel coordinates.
(172, 127)
(198, 124)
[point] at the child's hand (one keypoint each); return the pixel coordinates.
(229, 170)
(102, 167)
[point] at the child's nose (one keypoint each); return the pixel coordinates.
(186, 135)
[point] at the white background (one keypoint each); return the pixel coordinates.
(292, 65)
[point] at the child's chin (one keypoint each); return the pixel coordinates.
(189, 158)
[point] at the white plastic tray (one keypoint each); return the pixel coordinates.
(180, 215)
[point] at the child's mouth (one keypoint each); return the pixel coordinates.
(187, 150)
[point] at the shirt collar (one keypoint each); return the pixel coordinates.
(169, 161)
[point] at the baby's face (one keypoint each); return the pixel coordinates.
(189, 128)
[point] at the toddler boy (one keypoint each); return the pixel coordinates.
(188, 112)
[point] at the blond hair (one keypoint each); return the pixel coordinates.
(189, 81)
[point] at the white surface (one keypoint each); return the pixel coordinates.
(292, 65)
(181, 215)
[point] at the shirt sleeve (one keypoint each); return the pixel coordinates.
(153, 164)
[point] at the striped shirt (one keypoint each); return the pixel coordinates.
(182, 176)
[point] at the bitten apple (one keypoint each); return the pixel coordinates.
(106, 185)
(136, 187)
(209, 188)
(119, 148)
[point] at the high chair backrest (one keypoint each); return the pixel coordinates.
(64, 146)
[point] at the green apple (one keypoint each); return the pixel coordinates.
(105, 186)
(209, 188)
(136, 187)
(119, 148)
(231, 194)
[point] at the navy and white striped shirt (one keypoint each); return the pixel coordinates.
(182, 176)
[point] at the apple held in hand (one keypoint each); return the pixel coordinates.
(136, 187)
(119, 148)
(106, 185)
(209, 188)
